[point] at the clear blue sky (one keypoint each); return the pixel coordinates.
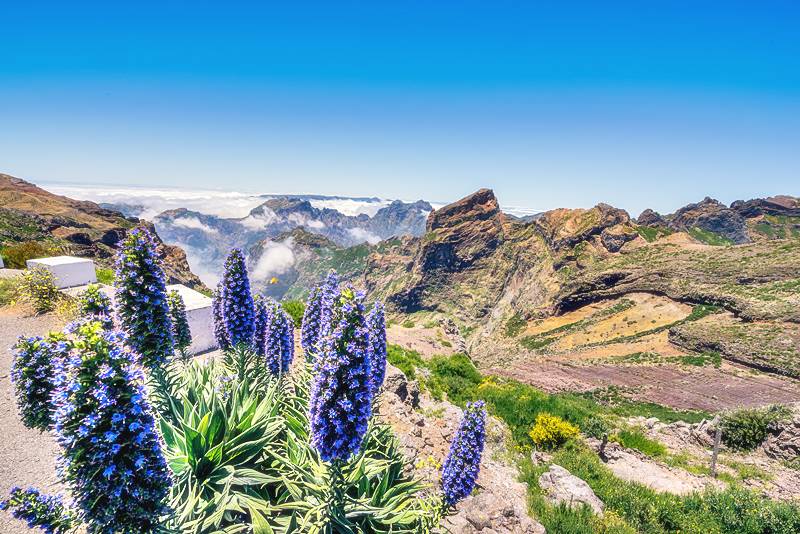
(550, 103)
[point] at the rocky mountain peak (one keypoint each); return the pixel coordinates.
(479, 206)
(711, 215)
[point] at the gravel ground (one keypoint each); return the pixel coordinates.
(27, 457)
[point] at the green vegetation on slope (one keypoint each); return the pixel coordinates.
(630, 507)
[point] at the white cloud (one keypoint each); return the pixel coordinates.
(276, 259)
(193, 223)
(361, 235)
(202, 264)
(261, 220)
(351, 207)
(231, 204)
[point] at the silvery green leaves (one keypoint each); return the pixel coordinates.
(141, 298)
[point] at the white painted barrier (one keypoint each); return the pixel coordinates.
(68, 271)
(199, 315)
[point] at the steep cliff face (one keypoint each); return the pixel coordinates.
(496, 276)
(459, 265)
(75, 227)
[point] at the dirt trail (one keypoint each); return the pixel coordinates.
(27, 457)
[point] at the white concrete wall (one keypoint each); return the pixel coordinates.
(68, 271)
(199, 315)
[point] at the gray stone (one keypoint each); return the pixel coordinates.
(561, 486)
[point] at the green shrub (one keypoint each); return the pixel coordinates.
(595, 427)
(295, 309)
(404, 359)
(16, 256)
(37, 287)
(515, 324)
(105, 276)
(747, 429)
(635, 439)
(8, 290)
(550, 431)
(454, 376)
(408, 323)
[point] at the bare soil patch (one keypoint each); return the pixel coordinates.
(682, 387)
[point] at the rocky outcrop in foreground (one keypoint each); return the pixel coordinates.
(425, 428)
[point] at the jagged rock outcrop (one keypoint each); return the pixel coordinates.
(615, 237)
(80, 228)
(778, 205)
(785, 443)
(461, 242)
(712, 216)
(561, 486)
(500, 503)
(564, 228)
(651, 218)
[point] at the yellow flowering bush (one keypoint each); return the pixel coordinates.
(551, 431)
(38, 288)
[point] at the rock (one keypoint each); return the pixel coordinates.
(425, 427)
(396, 383)
(712, 216)
(489, 512)
(562, 486)
(565, 228)
(784, 445)
(651, 218)
(777, 205)
(615, 237)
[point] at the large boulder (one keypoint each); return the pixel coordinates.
(561, 486)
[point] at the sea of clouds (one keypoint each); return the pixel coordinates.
(277, 257)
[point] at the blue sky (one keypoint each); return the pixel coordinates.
(638, 104)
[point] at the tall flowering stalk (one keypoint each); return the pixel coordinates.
(180, 324)
(340, 404)
(220, 331)
(330, 292)
(33, 374)
(94, 304)
(376, 322)
(141, 298)
(262, 319)
(463, 462)
(279, 339)
(237, 301)
(286, 325)
(111, 458)
(309, 331)
(46, 512)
